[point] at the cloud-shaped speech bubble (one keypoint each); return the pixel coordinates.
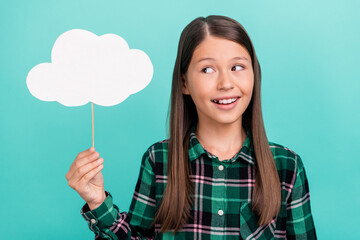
(89, 68)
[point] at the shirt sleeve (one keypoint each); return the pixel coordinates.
(107, 222)
(300, 223)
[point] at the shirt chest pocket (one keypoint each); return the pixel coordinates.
(250, 230)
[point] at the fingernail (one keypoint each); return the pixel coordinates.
(92, 149)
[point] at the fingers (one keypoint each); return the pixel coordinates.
(86, 152)
(80, 161)
(85, 173)
(82, 187)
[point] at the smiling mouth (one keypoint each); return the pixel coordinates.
(225, 101)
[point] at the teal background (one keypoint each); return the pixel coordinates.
(308, 51)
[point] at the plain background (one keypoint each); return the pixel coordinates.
(308, 51)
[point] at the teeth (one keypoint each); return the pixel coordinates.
(226, 101)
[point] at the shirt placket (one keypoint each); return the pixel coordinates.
(220, 193)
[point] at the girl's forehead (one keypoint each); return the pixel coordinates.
(219, 48)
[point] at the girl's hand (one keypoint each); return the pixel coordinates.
(85, 177)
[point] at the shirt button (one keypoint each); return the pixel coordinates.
(93, 221)
(220, 212)
(221, 167)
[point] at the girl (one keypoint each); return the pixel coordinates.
(217, 176)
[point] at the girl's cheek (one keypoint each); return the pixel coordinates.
(247, 87)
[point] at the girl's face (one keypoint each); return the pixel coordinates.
(220, 80)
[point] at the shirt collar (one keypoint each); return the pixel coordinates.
(246, 152)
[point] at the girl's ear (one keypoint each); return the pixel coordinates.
(185, 89)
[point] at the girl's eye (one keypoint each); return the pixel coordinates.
(204, 70)
(239, 67)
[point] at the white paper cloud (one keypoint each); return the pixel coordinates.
(89, 68)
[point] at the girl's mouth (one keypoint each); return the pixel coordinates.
(225, 103)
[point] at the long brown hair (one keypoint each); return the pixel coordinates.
(175, 207)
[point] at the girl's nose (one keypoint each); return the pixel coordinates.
(225, 82)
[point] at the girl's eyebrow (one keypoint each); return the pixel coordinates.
(234, 58)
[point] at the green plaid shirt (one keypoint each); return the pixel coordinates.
(222, 200)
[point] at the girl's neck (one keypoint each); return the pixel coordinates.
(222, 140)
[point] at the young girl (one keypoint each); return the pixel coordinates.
(217, 176)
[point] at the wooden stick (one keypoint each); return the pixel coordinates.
(92, 110)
